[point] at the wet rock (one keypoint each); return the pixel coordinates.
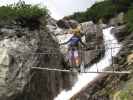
(94, 40)
(120, 32)
(118, 20)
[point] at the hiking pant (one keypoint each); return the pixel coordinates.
(73, 56)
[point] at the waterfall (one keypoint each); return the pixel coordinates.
(85, 78)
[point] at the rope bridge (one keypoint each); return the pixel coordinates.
(51, 51)
(111, 71)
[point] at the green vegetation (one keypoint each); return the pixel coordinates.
(103, 10)
(106, 10)
(23, 14)
(126, 93)
(129, 19)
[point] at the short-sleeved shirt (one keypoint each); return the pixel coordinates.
(74, 41)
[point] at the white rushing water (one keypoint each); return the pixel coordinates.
(85, 78)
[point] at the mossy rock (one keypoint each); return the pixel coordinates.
(126, 93)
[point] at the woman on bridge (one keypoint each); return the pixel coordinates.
(73, 51)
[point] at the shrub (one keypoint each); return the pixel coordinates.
(103, 10)
(129, 19)
(23, 14)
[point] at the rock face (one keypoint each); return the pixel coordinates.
(16, 50)
(21, 50)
